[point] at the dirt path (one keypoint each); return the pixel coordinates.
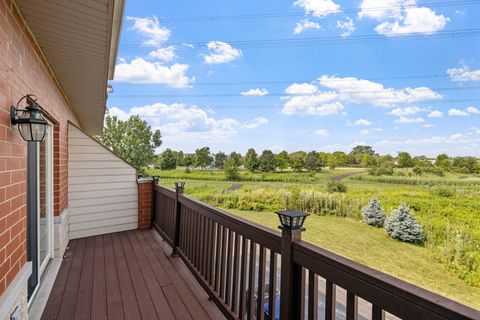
(346, 175)
(233, 187)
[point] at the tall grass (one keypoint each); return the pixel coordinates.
(451, 220)
(416, 180)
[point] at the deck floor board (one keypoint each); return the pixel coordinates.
(125, 275)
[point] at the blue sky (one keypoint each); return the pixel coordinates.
(399, 75)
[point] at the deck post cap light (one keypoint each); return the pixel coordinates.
(179, 185)
(155, 179)
(31, 123)
(292, 220)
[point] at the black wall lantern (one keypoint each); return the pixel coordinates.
(30, 121)
(292, 220)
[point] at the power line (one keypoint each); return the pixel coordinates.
(313, 13)
(223, 95)
(272, 82)
(299, 105)
(319, 41)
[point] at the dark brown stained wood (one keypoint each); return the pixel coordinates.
(114, 298)
(155, 290)
(312, 296)
(261, 283)
(272, 284)
(203, 246)
(145, 304)
(99, 294)
(85, 291)
(377, 313)
(195, 308)
(352, 307)
(176, 303)
(129, 302)
(209, 250)
(158, 270)
(69, 299)
(126, 275)
(53, 302)
(330, 298)
(251, 280)
(243, 274)
(218, 244)
(223, 260)
(236, 266)
(228, 285)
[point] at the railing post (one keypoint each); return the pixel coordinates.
(292, 278)
(176, 223)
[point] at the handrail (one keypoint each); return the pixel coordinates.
(237, 262)
(374, 286)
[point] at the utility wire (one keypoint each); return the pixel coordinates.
(315, 13)
(319, 41)
(297, 105)
(222, 95)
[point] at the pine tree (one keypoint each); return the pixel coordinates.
(401, 225)
(373, 213)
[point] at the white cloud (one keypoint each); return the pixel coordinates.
(306, 24)
(398, 17)
(322, 133)
(360, 91)
(301, 89)
(255, 123)
(473, 110)
(151, 29)
(428, 125)
(404, 119)
(366, 132)
(435, 114)
(457, 113)
(318, 8)
(347, 26)
(320, 104)
(406, 111)
(180, 123)
(255, 92)
(166, 54)
(140, 71)
(463, 74)
(221, 52)
(361, 122)
(415, 20)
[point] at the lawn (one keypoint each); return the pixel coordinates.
(448, 263)
(371, 246)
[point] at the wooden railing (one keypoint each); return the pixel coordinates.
(239, 264)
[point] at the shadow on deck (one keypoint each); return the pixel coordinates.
(126, 275)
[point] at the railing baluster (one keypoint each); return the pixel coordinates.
(377, 313)
(330, 299)
(223, 261)
(272, 291)
(211, 250)
(236, 262)
(351, 306)
(228, 293)
(312, 295)
(251, 280)
(243, 275)
(261, 284)
(203, 252)
(218, 257)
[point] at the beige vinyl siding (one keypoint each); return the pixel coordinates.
(102, 188)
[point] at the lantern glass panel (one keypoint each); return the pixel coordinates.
(38, 131)
(25, 131)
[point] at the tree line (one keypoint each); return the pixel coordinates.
(359, 156)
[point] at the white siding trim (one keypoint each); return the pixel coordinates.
(102, 188)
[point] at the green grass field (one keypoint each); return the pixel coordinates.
(448, 263)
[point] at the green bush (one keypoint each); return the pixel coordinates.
(336, 186)
(381, 171)
(444, 192)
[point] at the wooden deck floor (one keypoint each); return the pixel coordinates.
(126, 275)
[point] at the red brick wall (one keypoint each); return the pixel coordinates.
(145, 189)
(23, 71)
